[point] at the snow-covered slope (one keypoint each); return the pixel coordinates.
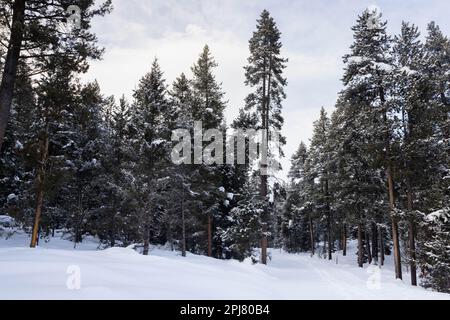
(120, 273)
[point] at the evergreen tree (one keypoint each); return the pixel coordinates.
(296, 221)
(150, 137)
(208, 105)
(38, 38)
(264, 73)
(368, 80)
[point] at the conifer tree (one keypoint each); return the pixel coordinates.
(37, 38)
(368, 81)
(150, 137)
(208, 106)
(264, 73)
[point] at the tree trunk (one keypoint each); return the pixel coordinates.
(146, 239)
(112, 235)
(264, 166)
(369, 253)
(344, 240)
(328, 208)
(330, 240)
(183, 226)
(381, 236)
(360, 246)
(10, 67)
(395, 236)
(374, 243)
(40, 182)
(411, 236)
(209, 235)
(79, 217)
(264, 245)
(311, 234)
(412, 252)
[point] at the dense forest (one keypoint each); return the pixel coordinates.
(376, 171)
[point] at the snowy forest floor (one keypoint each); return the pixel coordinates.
(121, 273)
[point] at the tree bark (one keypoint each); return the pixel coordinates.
(381, 236)
(412, 252)
(264, 245)
(344, 240)
(264, 166)
(374, 243)
(183, 225)
(209, 235)
(395, 236)
(411, 236)
(79, 217)
(328, 208)
(368, 251)
(10, 67)
(330, 240)
(360, 246)
(40, 182)
(146, 239)
(311, 234)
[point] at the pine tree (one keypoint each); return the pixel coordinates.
(183, 198)
(320, 156)
(434, 258)
(37, 38)
(368, 81)
(264, 73)
(15, 174)
(297, 219)
(207, 107)
(150, 137)
(53, 132)
(408, 51)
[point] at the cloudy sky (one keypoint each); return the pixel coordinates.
(315, 34)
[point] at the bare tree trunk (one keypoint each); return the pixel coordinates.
(311, 234)
(40, 182)
(264, 245)
(344, 240)
(381, 236)
(330, 240)
(264, 166)
(374, 242)
(209, 235)
(79, 217)
(329, 231)
(183, 226)
(112, 235)
(412, 252)
(411, 236)
(360, 246)
(369, 253)
(395, 236)
(10, 67)
(146, 239)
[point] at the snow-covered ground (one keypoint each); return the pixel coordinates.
(51, 272)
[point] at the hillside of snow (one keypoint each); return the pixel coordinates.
(48, 272)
